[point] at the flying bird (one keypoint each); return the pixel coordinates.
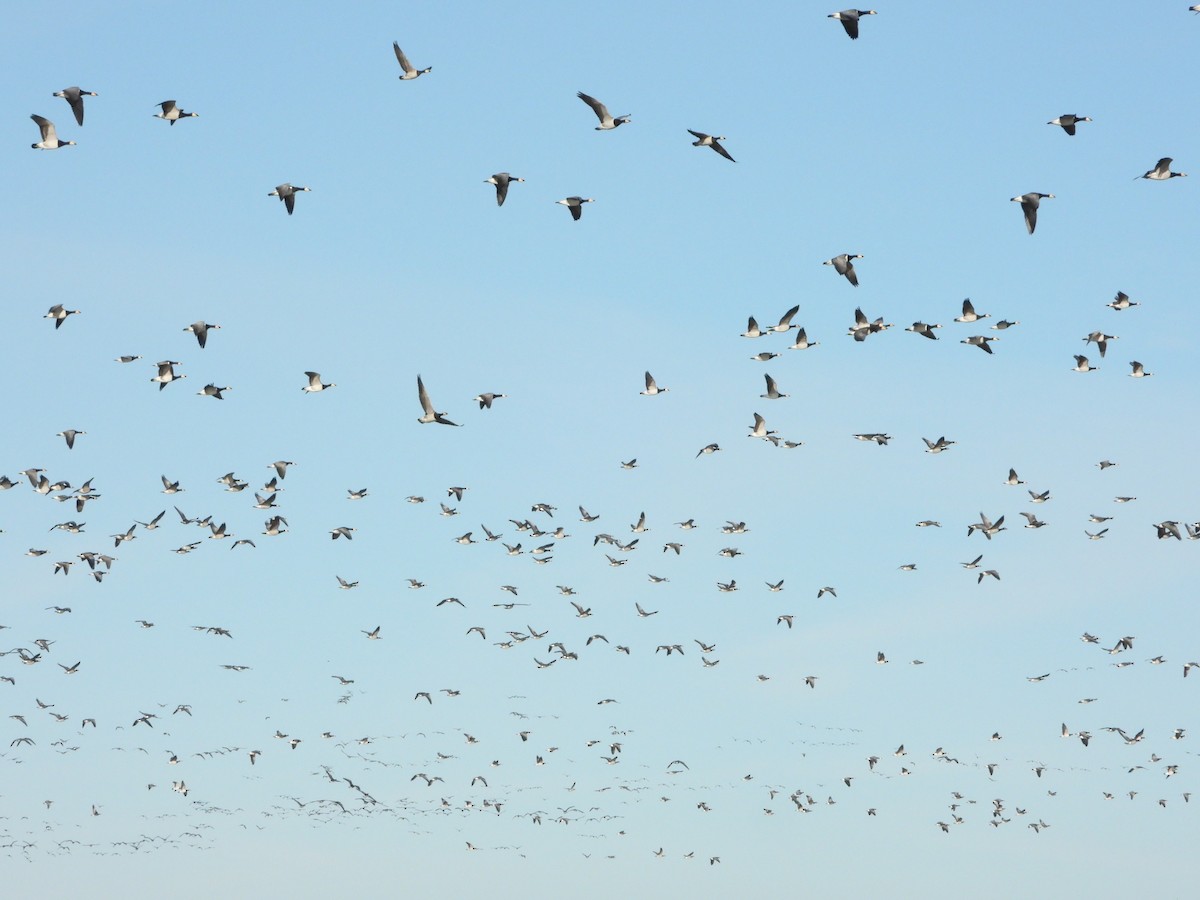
(315, 385)
(843, 264)
(1162, 171)
(172, 113)
(74, 96)
(1068, 121)
(607, 122)
(410, 71)
(287, 193)
(575, 205)
(705, 140)
(652, 387)
(1029, 206)
(200, 330)
(849, 19)
(49, 139)
(429, 415)
(502, 180)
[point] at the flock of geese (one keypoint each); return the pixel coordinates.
(433, 771)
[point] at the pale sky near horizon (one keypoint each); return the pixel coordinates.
(903, 146)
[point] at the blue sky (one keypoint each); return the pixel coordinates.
(904, 146)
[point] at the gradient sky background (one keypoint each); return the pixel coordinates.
(903, 146)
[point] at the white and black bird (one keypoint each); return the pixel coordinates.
(172, 113)
(74, 96)
(607, 122)
(843, 264)
(410, 71)
(575, 205)
(502, 180)
(652, 387)
(429, 413)
(1068, 121)
(706, 140)
(486, 399)
(1122, 302)
(849, 19)
(981, 341)
(1162, 171)
(49, 139)
(968, 313)
(315, 385)
(212, 390)
(200, 329)
(166, 373)
(69, 436)
(287, 193)
(772, 390)
(1029, 206)
(924, 330)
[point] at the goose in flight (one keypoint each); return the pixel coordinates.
(802, 341)
(982, 341)
(843, 264)
(849, 19)
(59, 314)
(923, 330)
(315, 385)
(575, 205)
(430, 415)
(759, 428)
(200, 330)
(49, 139)
(1162, 171)
(607, 122)
(74, 96)
(172, 113)
(373, 634)
(752, 329)
(1100, 339)
(1067, 122)
(772, 390)
(1139, 371)
(502, 180)
(1012, 478)
(969, 314)
(1122, 302)
(166, 373)
(486, 399)
(880, 439)
(937, 446)
(1082, 365)
(287, 193)
(1029, 206)
(69, 436)
(785, 322)
(863, 328)
(652, 387)
(211, 390)
(410, 71)
(708, 449)
(987, 527)
(703, 140)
